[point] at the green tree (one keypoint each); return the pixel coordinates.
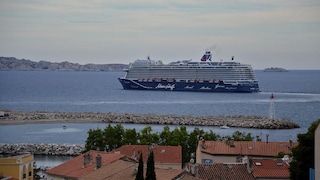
(147, 138)
(303, 154)
(130, 136)
(113, 136)
(150, 174)
(211, 136)
(139, 175)
(183, 142)
(240, 136)
(94, 140)
(192, 142)
(165, 136)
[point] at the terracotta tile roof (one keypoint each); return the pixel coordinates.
(165, 174)
(122, 169)
(162, 154)
(224, 171)
(246, 148)
(270, 168)
(75, 168)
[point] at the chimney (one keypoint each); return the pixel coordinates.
(194, 169)
(267, 138)
(133, 153)
(249, 165)
(98, 161)
(203, 143)
(86, 160)
(232, 143)
(258, 138)
(290, 144)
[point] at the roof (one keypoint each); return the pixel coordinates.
(162, 154)
(270, 168)
(122, 169)
(75, 168)
(165, 174)
(259, 148)
(224, 171)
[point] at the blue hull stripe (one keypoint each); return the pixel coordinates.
(188, 86)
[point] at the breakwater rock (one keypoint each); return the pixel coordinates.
(259, 122)
(42, 149)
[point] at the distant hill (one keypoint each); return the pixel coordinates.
(14, 64)
(275, 69)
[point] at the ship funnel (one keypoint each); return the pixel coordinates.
(206, 56)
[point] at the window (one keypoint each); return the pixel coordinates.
(258, 163)
(279, 164)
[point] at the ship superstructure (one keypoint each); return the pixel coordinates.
(186, 75)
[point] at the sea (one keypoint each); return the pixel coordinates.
(296, 97)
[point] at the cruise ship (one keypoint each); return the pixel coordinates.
(185, 75)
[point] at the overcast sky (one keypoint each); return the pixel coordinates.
(281, 33)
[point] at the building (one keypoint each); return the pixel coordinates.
(231, 152)
(253, 169)
(112, 166)
(270, 169)
(18, 167)
(230, 171)
(168, 157)
(84, 164)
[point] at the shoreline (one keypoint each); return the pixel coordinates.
(241, 121)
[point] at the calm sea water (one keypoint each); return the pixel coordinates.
(297, 97)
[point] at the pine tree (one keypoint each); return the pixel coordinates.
(150, 175)
(139, 175)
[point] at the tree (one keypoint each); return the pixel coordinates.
(240, 136)
(303, 154)
(94, 140)
(147, 138)
(139, 175)
(150, 174)
(130, 136)
(165, 136)
(211, 136)
(113, 136)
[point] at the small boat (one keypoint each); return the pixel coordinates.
(64, 126)
(224, 127)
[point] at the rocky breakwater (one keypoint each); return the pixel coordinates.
(42, 149)
(259, 122)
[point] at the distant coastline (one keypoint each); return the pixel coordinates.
(14, 64)
(275, 69)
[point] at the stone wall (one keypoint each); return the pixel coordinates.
(42, 149)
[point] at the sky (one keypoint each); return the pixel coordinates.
(272, 33)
